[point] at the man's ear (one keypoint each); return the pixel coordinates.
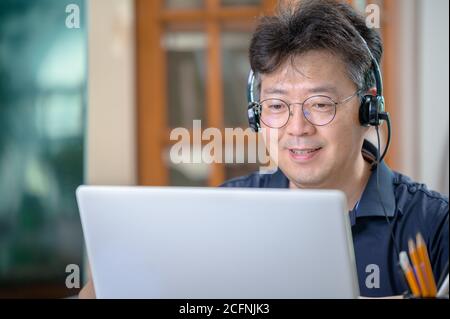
(372, 91)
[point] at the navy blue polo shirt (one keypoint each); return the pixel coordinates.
(411, 207)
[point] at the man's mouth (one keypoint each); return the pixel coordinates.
(304, 151)
(303, 155)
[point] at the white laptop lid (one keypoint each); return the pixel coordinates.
(206, 243)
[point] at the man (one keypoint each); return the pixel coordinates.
(314, 49)
(307, 55)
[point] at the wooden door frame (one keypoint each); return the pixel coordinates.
(152, 78)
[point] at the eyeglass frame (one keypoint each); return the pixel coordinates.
(345, 100)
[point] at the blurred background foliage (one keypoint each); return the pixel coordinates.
(42, 121)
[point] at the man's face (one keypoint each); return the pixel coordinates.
(316, 156)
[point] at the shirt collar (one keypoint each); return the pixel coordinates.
(369, 204)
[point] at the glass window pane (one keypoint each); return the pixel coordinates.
(245, 158)
(187, 174)
(235, 68)
(186, 66)
(183, 4)
(360, 5)
(240, 2)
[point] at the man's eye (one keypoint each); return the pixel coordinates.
(276, 107)
(322, 106)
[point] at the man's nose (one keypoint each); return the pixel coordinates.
(298, 125)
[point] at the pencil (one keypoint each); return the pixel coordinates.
(425, 261)
(409, 274)
(416, 265)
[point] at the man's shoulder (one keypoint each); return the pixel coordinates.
(414, 196)
(259, 180)
(254, 179)
(422, 209)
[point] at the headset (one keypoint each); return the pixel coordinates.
(371, 111)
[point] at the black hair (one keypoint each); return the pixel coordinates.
(302, 26)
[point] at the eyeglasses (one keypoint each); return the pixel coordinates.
(319, 110)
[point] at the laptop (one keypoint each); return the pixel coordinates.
(217, 243)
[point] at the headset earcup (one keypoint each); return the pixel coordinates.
(253, 116)
(364, 110)
(370, 110)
